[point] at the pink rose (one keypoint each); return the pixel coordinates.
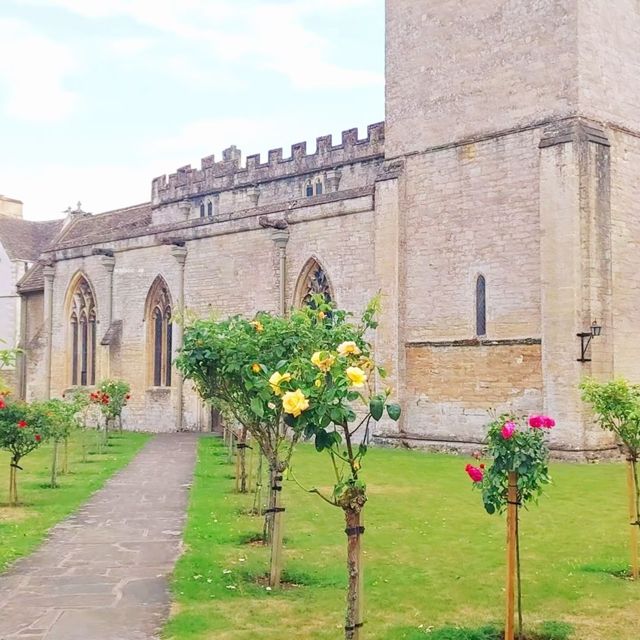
(474, 473)
(548, 422)
(508, 430)
(535, 422)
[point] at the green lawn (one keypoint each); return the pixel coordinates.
(433, 557)
(22, 528)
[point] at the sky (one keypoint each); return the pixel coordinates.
(97, 97)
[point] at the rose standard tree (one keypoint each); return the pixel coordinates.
(617, 408)
(331, 399)
(22, 429)
(515, 477)
(240, 366)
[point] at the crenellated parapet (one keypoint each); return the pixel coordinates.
(225, 174)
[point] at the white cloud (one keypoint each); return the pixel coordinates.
(130, 46)
(98, 187)
(33, 69)
(266, 34)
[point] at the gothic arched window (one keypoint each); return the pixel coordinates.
(313, 280)
(82, 319)
(481, 306)
(318, 187)
(210, 209)
(159, 333)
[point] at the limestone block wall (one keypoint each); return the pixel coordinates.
(34, 346)
(625, 222)
(469, 210)
(455, 71)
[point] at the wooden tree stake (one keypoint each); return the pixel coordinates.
(277, 531)
(633, 519)
(355, 593)
(512, 499)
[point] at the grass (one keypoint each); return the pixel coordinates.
(434, 559)
(22, 528)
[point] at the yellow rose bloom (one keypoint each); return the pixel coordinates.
(348, 348)
(357, 376)
(276, 379)
(257, 325)
(321, 315)
(255, 367)
(294, 402)
(323, 363)
(318, 383)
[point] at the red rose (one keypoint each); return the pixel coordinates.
(2, 403)
(38, 437)
(535, 422)
(22, 424)
(474, 473)
(482, 465)
(127, 396)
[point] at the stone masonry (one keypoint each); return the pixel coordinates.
(510, 150)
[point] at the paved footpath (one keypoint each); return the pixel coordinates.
(102, 573)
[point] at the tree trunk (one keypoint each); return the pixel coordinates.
(12, 471)
(257, 498)
(241, 462)
(54, 465)
(354, 614)
(275, 573)
(512, 499)
(65, 458)
(267, 532)
(633, 516)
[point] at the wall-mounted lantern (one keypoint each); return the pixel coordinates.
(585, 340)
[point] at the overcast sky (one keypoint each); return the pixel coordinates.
(97, 97)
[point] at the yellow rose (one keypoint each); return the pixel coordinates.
(321, 315)
(357, 376)
(257, 325)
(348, 348)
(294, 402)
(318, 383)
(255, 367)
(323, 360)
(276, 379)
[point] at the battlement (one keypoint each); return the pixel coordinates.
(229, 174)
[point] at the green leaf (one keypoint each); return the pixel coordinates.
(376, 407)
(394, 411)
(257, 406)
(323, 440)
(352, 395)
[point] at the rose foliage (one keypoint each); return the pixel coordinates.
(519, 445)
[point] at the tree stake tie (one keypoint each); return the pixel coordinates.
(15, 466)
(353, 627)
(274, 510)
(354, 531)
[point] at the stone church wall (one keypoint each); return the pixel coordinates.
(471, 210)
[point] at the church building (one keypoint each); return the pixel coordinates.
(497, 209)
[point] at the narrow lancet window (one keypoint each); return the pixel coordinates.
(481, 307)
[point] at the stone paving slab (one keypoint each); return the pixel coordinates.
(103, 573)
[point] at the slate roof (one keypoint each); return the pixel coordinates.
(105, 227)
(27, 239)
(33, 280)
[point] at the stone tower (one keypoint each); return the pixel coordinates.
(517, 126)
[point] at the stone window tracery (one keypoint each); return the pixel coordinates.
(82, 319)
(202, 210)
(160, 333)
(313, 280)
